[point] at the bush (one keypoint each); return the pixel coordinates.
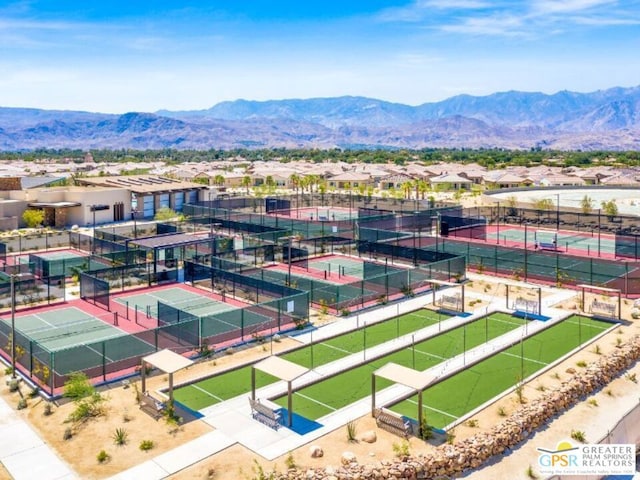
(78, 386)
(578, 436)
(401, 450)
(102, 456)
(120, 436)
(48, 410)
(22, 404)
(290, 462)
(146, 445)
(68, 434)
(87, 408)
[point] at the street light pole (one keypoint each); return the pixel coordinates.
(13, 326)
(498, 226)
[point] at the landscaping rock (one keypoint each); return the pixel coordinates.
(316, 451)
(347, 458)
(369, 436)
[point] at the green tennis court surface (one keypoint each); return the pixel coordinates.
(86, 339)
(198, 305)
(458, 395)
(582, 240)
(337, 265)
(231, 384)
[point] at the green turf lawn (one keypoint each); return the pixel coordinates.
(231, 384)
(339, 391)
(458, 395)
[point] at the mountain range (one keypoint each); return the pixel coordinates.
(605, 119)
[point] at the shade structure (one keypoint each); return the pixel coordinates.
(167, 361)
(283, 370)
(414, 379)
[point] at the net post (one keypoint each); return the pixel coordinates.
(126, 304)
(115, 318)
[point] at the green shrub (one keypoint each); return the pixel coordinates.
(87, 408)
(578, 436)
(401, 450)
(146, 445)
(102, 456)
(120, 436)
(48, 409)
(78, 386)
(290, 462)
(68, 434)
(22, 404)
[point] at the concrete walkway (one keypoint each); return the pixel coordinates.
(24, 454)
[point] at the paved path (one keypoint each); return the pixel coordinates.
(24, 454)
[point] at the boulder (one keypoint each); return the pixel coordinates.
(347, 458)
(369, 436)
(316, 451)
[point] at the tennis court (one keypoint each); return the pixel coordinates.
(322, 214)
(564, 240)
(339, 265)
(236, 382)
(73, 329)
(194, 303)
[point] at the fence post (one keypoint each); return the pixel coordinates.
(52, 372)
(242, 324)
(104, 363)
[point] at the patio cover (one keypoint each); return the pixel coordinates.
(167, 361)
(283, 370)
(414, 379)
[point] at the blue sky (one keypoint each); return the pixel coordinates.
(119, 56)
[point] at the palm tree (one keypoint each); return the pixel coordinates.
(246, 182)
(295, 179)
(218, 180)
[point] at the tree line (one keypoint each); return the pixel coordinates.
(489, 158)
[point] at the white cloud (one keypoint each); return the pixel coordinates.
(544, 7)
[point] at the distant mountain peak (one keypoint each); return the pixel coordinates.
(511, 119)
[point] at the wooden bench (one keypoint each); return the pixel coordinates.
(392, 422)
(151, 405)
(266, 413)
